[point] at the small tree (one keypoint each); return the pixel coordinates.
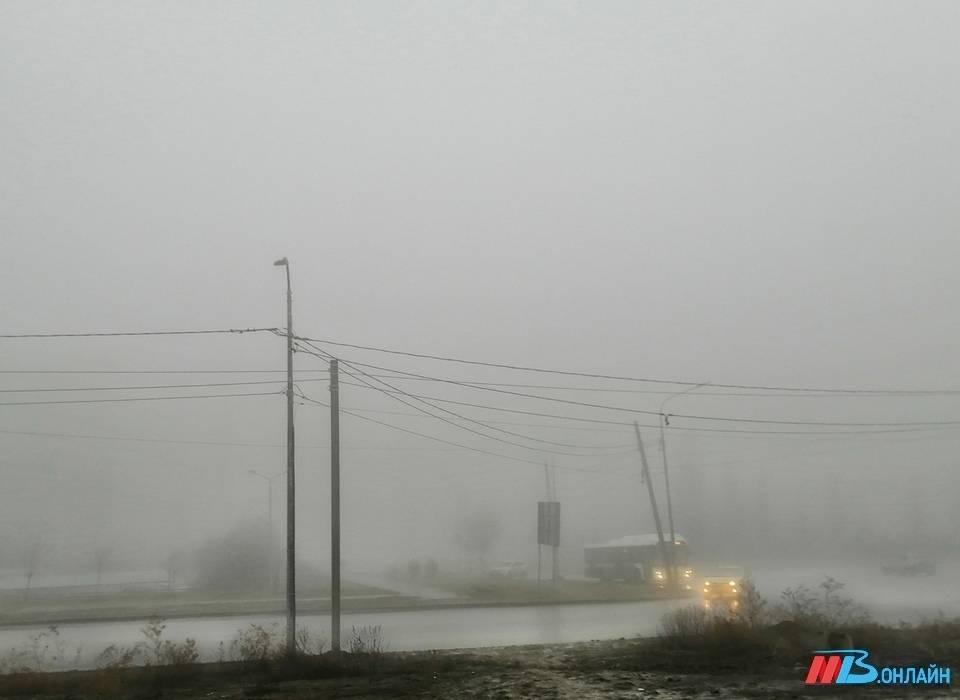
(476, 533)
(171, 564)
(413, 570)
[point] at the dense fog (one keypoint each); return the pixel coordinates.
(691, 193)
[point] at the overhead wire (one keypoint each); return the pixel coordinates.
(149, 386)
(213, 331)
(595, 375)
(393, 394)
(441, 440)
(138, 398)
(624, 409)
(216, 443)
(153, 371)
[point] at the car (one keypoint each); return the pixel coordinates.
(509, 569)
(721, 585)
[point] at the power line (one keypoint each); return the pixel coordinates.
(138, 398)
(705, 393)
(393, 394)
(150, 386)
(623, 409)
(152, 371)
(216, 443)
(646, 425)
(446, 442)
(593, 375)
(138, 333)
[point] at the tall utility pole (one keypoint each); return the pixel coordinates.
(666, 478)
(664, 421)
(334, 505)
(556, 547)
(291, 481)
(667, 558)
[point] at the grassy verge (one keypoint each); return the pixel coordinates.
(519, 591)
(137, 605)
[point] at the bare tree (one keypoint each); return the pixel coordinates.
(31, 556)
(171, 564)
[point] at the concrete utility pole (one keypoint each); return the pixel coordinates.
(334, 505)
(667, 558)
(664, 421)
(291, 480)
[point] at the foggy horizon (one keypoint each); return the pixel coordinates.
(750, 205)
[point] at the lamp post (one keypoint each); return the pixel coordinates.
(269, 480)
(291, 480)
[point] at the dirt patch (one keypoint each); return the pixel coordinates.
(613, 669)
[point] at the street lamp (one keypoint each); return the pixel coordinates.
(663, 451)
(291, 482)
(269, 480)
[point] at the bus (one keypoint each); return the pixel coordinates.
(637, 559)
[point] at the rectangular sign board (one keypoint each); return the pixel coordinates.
(548, 523)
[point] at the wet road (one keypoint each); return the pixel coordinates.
(402, 631)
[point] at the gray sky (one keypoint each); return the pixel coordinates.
(740, 192)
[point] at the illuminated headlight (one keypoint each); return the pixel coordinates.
(733, 583)
(658, 573)
(733, 590)
(688, 573)
(706, 590)
(706, 583)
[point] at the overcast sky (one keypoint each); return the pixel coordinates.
(737, 192)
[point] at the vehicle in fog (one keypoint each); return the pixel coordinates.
(638, 559)
(720, 586)
(907, 565)
(509, 569)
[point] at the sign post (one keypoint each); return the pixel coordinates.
(548, 533)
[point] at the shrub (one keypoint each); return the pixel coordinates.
(257, 643)
(308, 644)
(240, 560)
(153, 631)
(175, 654)
(828, 610)
(696, 629)
(44, 651)
(753, 606)
(366, 640)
